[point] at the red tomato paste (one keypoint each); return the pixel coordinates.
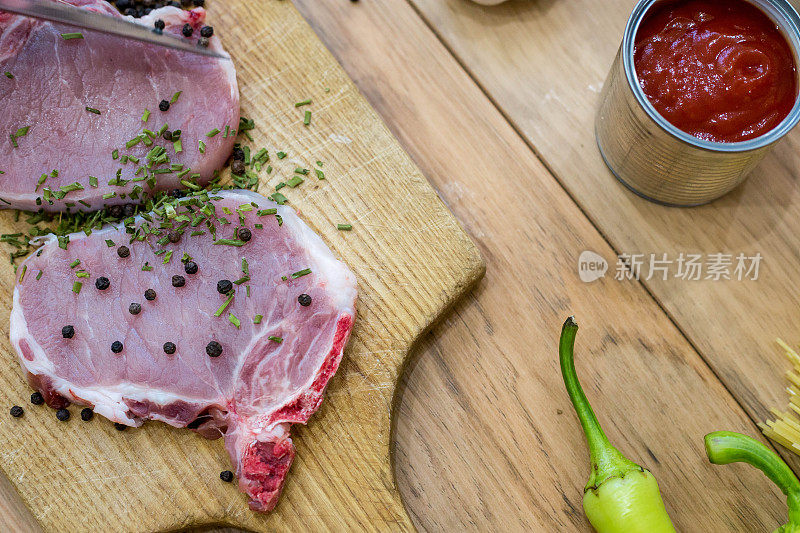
(720, 70)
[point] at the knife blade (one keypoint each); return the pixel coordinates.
(89, 20)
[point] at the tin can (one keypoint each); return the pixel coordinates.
(660, 162)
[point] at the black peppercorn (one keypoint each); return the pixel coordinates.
(37, 398)
(159, 24)
(87, 414)
(115, 211)
(176, 193)
(169, 348)
(123, 252)
(206, 31)
(62, 414)
(304, 300)
(68, 332)
(190, 267)
(17, 411)
(149, 295)
(178, 280)
(174, 236)
(237, 167)
(102, 283)
(167, 135)
(226, 476)
(187, 30)
(238, 154)
(224, 286)
(116, 346)
(214, 349)
(244, 234)
(203, 41)
(164, 105)
(120, 427)
(135, 308)
(128, 210)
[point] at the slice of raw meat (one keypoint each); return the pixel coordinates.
(55, 80)
(278, 350)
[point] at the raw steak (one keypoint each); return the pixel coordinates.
(269, 375)
(55, 80)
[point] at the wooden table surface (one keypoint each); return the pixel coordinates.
(495, 105)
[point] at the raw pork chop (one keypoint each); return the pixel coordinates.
(55, 80)
(272, 370)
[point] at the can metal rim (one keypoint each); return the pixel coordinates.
(787, 19)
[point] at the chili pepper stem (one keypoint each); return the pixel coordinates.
(725, 447)
(606, 460)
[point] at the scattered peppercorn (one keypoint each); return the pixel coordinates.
(304, 300)
(68, 332)
(159, 24)
(176, 193)
(214, 349)
(238, 154)
(123, 252)
(226, 476)
(164, 105)
(115, 211)
(237, 167)
(167, 135)
(135, 308)
(62, 414)
(178, 280)
(37, 398)
(87, 414)
(17, 411)
(116, 346)
(203, 41)
(120, 427)
(190, 267)
(128, 210)
(169, 348)
(174, 236)
(149, 295)
(187, 30)
(102, 283)
(224, 286)
(244, 234)
(206, 31)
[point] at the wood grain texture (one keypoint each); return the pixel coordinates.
(412, 261)
(543, 62)
(486, 437)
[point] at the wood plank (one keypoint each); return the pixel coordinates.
(412, 261)
(486, 438)
(544, 63)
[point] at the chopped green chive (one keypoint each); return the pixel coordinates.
(275, 339)
(301, 273)
(230, 242)
(76, 287)
(146, 115)
(178, 146)
(93, 110)
(109, 243)
(175, 97)
(264, 212)
(75, 263)
(233, 320)
(344, 227)
(39, 275)
(257, 319)
(93, 181)
(201, 146)
(319, 173)
(222, 307)
(294, 182)
(212, 133)
(22, 276)
(307, 118)
(146, 267)
(304, 102)
(167, 257)
(115, 155)
(68, 36)
(109, 195)
(281, 155)
(9, 75)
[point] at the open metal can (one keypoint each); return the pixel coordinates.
(658, 161)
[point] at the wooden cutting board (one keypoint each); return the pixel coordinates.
(412, 260)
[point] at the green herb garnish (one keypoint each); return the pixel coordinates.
(68, 36)
(275, 339)
(92, 110)
(344, 227)
(233, 320)
(301, 273)
(76, 287)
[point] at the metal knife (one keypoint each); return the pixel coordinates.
(82, 18)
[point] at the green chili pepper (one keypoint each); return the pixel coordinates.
(621, 496)
(725, 447)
